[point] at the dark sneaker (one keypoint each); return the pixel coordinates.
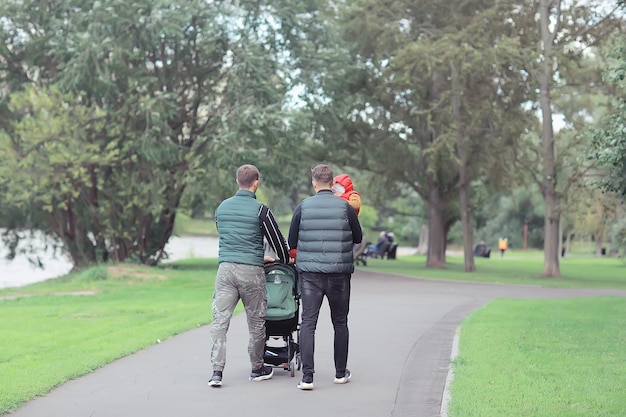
(261, 374)
(343, 379)
(216, 379)
(306, 383)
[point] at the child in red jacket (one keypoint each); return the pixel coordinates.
(344, 188)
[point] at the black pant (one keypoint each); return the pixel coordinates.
(336, 288)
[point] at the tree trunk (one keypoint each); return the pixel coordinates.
(548, 186)
(436, 257)
(551, 241)
(71, 232)
(422, 248)
(561, 227)
(599, 238)
(470, 265)
(468, 254)
(568, 243)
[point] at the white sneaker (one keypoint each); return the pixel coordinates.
(306, 383)
(262, 374)
(344, 379)
(216, 379)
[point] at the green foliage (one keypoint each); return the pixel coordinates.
(368, 217)
(435, 88)
(116, 116)
(117, 108)
(509, 214)
(617, 235)
(609, 143)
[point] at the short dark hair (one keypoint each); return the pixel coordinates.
(322, 174)
(246, 175)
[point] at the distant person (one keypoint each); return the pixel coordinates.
(392, 248)
(343, 188)
(242, 223)
(482, 250)
(322, 232)
(382, 240)
(373, 247)
(382, 244)
(503, 245)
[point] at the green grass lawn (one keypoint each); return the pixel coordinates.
(186, 226)
(523, 268)
(542, 358)
(517, 357)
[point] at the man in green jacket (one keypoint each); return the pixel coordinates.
(242, 222)
(323, 230)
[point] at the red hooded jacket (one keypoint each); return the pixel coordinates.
(351, 196)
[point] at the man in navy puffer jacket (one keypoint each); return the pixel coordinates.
(323, 230)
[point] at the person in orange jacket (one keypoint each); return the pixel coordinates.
(344, 189)
(503, 245)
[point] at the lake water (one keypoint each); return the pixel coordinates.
(20, 271)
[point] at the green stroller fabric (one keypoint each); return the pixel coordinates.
(281, 282)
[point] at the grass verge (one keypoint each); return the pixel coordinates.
(519, 268)
(186, 226)
(542, 358)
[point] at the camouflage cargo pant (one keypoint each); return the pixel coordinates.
(232, 283)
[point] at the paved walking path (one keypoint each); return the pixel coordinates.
(401, 333)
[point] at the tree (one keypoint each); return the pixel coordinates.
(117, 106)
(433, 84)
(608, 146)
(566, 30)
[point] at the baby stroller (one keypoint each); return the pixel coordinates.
(282, 319)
